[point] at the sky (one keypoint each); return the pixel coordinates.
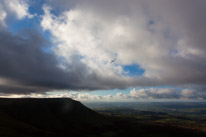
(111, 50)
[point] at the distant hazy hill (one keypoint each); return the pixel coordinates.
(19, 116)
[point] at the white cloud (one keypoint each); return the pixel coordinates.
(98, 36)
(155, 93)
(150, 94)
(81, 35)
(3, 15)
(188, 93)
(18, 7)
(166, 93)
(87, 97)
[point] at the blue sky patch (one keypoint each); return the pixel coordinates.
(133, 70)
(23, 24)
(36, 7)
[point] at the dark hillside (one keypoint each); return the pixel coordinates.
(64, 117)
(56, 115)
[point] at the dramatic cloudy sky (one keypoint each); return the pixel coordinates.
(103, 50)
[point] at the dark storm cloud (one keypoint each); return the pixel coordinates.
(4, 90)
(22, 60)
